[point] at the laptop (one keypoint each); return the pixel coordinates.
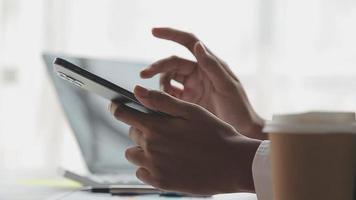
(102, 139)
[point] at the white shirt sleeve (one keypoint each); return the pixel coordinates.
(261, 171)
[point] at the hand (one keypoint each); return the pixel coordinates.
(192, 151)
(208, 82)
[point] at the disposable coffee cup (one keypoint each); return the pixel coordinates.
(313, 156)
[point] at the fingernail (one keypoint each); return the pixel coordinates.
(141, 91)
(154, 30)
(143, 73)
(113, 108)
(146, 72)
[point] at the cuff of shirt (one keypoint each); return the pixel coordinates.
(261, 171)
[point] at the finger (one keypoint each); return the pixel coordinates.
(179, 78)
(211, 66)
(166, 86)
(136, 136)
(167, 77)
(184, 38)
(145, 176)
(129, 115)
(165, 81)
(163, 102)
(189, 41)
(223, 64)
(171, 64)
(136, 156)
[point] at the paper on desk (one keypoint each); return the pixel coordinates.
(58, 183)
(79, 195)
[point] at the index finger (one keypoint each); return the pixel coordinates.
(184, 38)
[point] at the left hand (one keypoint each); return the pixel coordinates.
(192, 151)
(208, 82)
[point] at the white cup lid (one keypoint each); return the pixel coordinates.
(312, 122)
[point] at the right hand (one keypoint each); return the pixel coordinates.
(208, 82)
(190, 151)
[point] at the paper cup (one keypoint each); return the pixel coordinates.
(313, 156)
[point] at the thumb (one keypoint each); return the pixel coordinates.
(211, 66)
(161, 101)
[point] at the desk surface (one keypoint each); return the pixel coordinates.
(87, 196)
(42, 185)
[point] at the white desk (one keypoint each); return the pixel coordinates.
(88, 196)
(41, 185)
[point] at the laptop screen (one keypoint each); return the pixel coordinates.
(101, 138)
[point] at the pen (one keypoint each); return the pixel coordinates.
(132, 192)
(120, 191)
(163, 194)
(96, 189)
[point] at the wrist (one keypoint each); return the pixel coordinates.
(245, 149)
(255, 130)
(252, 127)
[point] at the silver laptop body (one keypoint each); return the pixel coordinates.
(102, 139)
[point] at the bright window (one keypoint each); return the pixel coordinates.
(291, 56)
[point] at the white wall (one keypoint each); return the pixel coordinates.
(291, 56)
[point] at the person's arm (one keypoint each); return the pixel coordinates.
(192, 151)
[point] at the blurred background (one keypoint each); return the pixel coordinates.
(291, 56)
